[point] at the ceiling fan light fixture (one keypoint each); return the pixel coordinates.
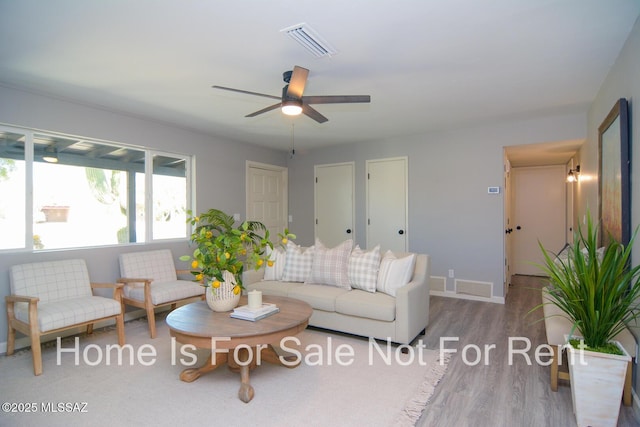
(292, 107)
(50, 155)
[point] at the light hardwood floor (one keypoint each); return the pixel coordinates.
(497, 394)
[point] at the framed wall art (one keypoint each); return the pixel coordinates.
(613, 175)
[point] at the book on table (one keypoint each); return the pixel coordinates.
(245, 312)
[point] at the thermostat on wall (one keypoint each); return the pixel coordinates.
(493, 190)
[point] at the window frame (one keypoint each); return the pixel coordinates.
(149, 153)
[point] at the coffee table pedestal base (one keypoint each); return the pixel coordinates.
(242, 363)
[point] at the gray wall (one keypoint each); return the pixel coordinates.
(451, 216)
(623, 81)
(220, 171)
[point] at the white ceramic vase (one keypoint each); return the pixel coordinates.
(597, 381)
(222, 298)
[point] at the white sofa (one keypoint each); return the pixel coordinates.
(399, 319)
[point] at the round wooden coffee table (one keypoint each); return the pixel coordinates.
(241, 344)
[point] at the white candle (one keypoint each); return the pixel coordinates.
(255, 299)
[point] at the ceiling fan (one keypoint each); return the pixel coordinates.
(293, 102)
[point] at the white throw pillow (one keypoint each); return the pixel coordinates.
(298, 262)
(363, 268)
(274, 272)
(330, 266)
(395, 272)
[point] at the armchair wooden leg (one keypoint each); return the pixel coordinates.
(36, 352)
(120, 329)
(555, 364)
(173, 306)
(151, 318)
(11, 339)
(89, 328)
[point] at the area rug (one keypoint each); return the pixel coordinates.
(341, 381)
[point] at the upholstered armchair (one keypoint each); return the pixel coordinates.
(49, 297)
(557, 325)
(151, 280)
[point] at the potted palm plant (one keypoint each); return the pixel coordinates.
(224, 251)
(598, 290)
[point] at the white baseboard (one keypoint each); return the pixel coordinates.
(25, 342)
(447, 294)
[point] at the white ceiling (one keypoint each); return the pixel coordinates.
(428, 65)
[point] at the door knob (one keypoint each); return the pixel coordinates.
(348, 231)
(400, 231)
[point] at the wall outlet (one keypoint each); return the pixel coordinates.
(290, 218)
(451, 273)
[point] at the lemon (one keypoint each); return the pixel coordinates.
(215, 284)
(259, 263)
(208, 234)
(236, 289)
(194, 264)
(270, 263)
(227, 255)
(284, 241)
(199, 277)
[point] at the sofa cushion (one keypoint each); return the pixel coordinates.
(363, 268)
(165, 291)
(360, 303)
(319, 297)
(395, 272)
(274, 287)
(298, 262)
(330, 266)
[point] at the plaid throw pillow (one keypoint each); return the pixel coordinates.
(298, 261)
(330, 265)
(363, 268)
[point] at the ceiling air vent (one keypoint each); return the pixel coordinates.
(310, 40)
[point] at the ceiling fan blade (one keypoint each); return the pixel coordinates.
(335, 99)
(246, 92)
(264, 110)
(314, 114)
(297, 82)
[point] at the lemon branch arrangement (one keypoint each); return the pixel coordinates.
(222, 246)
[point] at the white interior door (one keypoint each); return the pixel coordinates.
(387, 186)
(538, 215)
(267, 196)
(508, 227)
(334, 203)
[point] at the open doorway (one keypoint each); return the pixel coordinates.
(543, 166)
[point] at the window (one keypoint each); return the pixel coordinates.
(169, 195)
(88, 193)
(12, 191)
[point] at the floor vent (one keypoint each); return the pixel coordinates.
(470, 287)
(310, 40)
(438, 283)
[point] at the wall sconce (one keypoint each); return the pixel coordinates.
(50, 155)
(573, 174)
